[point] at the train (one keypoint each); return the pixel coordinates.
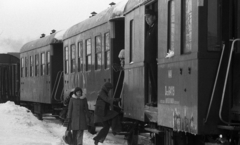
(197, 67)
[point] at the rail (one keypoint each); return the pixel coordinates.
(56, 85)
(117, 68)
(215, 84)
(225, 84)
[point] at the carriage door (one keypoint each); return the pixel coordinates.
(234, 33)
(225, 29)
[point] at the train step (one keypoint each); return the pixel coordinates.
(120, 133)
(225, 127)
(153, 130)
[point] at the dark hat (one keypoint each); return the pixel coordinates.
(150, 12)
(77, 89)
(108, 85)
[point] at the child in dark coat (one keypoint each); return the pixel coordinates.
(78, 115)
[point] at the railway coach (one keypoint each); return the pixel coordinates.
(42, 74)
(198, 71)
(90, 50)
(9, 77)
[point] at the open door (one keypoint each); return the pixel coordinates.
(234, 28)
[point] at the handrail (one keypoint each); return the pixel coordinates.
(121, 70)
(62, 97)
(55, 83)
(215, 83)
(59, 79)
(225, 84)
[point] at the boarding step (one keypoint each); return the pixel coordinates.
(151, 113)
(153, 130)
(232, 128)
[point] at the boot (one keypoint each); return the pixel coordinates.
(95, 142)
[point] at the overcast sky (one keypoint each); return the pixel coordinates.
(25, 20)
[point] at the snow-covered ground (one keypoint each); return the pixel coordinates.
(18, 126)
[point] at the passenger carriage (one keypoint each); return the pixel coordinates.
(42, 74)
(91, 48)
(9, 77)
(195, 100)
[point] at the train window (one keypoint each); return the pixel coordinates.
(48, 63)
(186, 26)
(214, 39)
(98, 52)
(42, 63)
(88, 54)
(106, 51)
(80, 55)
(26, 65)
(22, 66)
(36, 64)
(73, 60)
(171, 25)
(66, 61)
(131, 41)
(31, 66)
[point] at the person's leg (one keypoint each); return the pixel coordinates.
(74, 137)
(116, 124)
(80, 137)
(103, 132)
(153, 79)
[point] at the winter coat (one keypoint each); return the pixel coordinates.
(63, 113)
(102, 111)
(151, 44)
(78, 113)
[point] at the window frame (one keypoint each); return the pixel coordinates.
(66, 63)
(22, 67)
(36, 64)
(26, 66)
(48, 57)
(107, 51)
(186, 39)
(73, 58)
(43, 63)
(98, 53)
(80, 56)
(88, 54)
(31, 66)
(171, 23)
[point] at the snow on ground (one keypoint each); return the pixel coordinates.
(18, 126)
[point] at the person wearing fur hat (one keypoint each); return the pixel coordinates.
(102, 113)
(78, 115)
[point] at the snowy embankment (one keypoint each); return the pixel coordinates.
(18, 126)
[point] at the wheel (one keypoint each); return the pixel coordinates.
(132, 138)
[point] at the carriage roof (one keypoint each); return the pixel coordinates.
(99, 19)
(41, 42)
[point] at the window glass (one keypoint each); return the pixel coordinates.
(22, 67)
(80, 55)
(107, 51)
(131, 40)
(73, 61)
(42, 63)
(98, 55)
(66, 60)
(31, 66)
(26, 67)
(48, 62)
(36, 64)
(171, 25)
(187, 26)
(88, 55)
(214, 37)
